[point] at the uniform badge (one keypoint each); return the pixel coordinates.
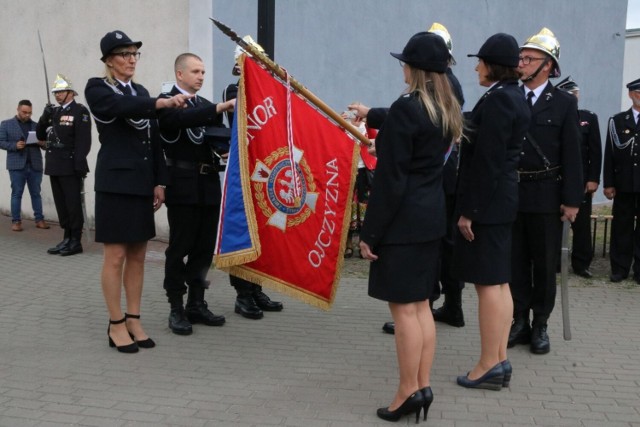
(273, 186)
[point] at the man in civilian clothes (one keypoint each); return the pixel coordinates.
(550, 190)
(24, 163)
(621, 179)
(67, 130)
(192, 197)
(591, 149)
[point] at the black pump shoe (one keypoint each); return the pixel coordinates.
(428, 399)
(491, 380)
(129, 348)
(148, 343)
(413, 404)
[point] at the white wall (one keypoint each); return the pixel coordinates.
(71, 31)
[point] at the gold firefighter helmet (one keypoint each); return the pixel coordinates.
(546, 42)
(61, 83)
(441, 30)
(249, 40)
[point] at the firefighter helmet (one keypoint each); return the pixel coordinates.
(546, 42)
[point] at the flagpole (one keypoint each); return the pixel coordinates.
(282, 74)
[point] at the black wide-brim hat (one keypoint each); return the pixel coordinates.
(500, 49)
(425, 51)
(113, 40)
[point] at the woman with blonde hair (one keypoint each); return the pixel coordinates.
(406, 214)
(130, 180)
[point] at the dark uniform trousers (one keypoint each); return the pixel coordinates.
(534, 259)
(625, 234)
(192, 232)
(67, 192)
(582, 249)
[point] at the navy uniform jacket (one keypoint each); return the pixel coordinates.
(488, 180)
(187, 186)
(407, 203)
(130, 160)
(621, 157)
(591, 146)
(554, 126)
(68, 132)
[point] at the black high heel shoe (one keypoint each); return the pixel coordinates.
(148, 343)
(129, 348)
(413, 404)
(428, 399)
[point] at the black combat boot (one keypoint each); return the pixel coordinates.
(62, 245)
(178, 322)
(520, 332)
(264, 302)
(451, 311)
(74, 247)
(246, 306)
(197, 311)
(539, 337)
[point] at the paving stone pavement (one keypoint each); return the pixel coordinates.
(300, 367)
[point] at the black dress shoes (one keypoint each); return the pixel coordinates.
(539, 339)
(60, 246)
(197, 312)
(74, 247)
(246, 307)
(449, 314)
(178, 322)
(389, 328)
(583, 273)
(265, 303)
(520, 332)
(617, 277)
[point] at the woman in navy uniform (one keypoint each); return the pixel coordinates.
(67, 130)
(406, 214)
(130, 179)
(487, 203)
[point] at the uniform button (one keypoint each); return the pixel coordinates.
(522, 154)
(145, 158)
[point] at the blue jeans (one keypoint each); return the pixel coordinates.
(32, 179)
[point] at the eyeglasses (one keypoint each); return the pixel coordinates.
(128, 55)
(526, 60)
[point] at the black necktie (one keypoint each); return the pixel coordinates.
(126, 89)
(530, 96)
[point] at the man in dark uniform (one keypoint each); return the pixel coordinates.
(67, 130)
(550, 190)
(192, 197)
(591, 149)
(251, 301)
(621, 179)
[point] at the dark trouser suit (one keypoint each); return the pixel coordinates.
(449, 283)
(67, 198)
(533, 264)
(581, 249)
(625, 234)
(192, 234)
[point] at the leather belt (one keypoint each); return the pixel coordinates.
(551, 173)
(202, 168)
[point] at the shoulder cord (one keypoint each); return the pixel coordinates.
(140, 124)
(614, 136)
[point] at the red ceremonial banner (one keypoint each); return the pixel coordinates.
(299, 215)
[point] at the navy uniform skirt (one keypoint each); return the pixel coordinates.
(404, 273)
(124, 218)
(486, 260)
